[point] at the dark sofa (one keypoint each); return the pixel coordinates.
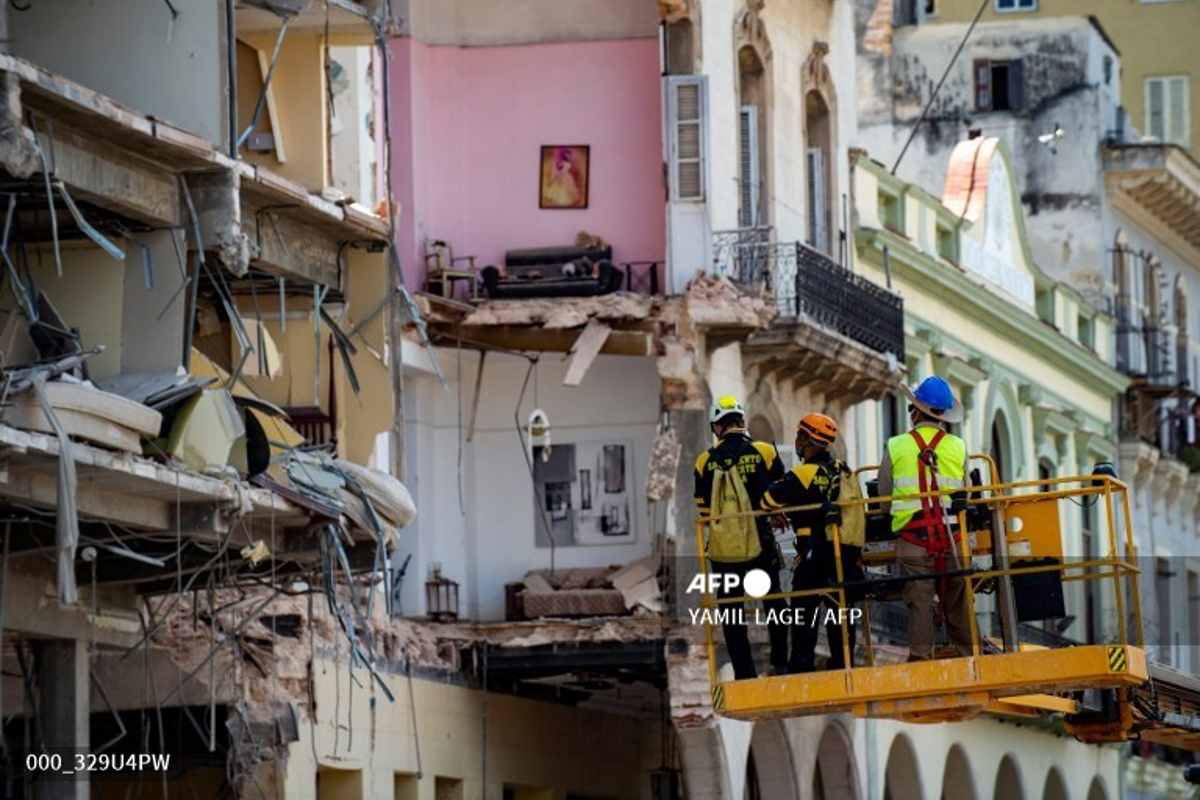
(554, 272)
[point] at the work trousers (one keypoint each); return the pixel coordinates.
(914, 559)
(737, 639)
(817, 569)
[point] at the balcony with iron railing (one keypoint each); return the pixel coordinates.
(811, 288)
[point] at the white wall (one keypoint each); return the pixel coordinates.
(135, 53)
(493, 542)
(986, 741)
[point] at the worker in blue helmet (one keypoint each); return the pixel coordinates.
(920, 469)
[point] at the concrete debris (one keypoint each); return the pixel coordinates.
(682, 385)
(664, 463)
(18, 147)
(564, 312)
(543, 632)
(286, 650)
(691, 690)
(717, 302)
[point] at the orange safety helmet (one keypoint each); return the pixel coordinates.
(818, 427)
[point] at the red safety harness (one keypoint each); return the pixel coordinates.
(928, 529)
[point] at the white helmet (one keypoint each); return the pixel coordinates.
(724, 406)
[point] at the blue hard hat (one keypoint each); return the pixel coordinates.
(935, 393)
(935, 398)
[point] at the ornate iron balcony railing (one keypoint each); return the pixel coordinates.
(809, 285)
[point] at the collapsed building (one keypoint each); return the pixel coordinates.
(194, 294)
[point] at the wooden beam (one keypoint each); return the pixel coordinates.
(585, 350)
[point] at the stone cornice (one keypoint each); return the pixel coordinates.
(1006, 320)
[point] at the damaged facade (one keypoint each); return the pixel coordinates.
(373, 243)
(1108, 214)
(190, 306)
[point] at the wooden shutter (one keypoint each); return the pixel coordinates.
(1156, 108)
(1177, 110)
(1016, 84)
(687, 120)
(983, 84)
(748, 162)
(818, 210)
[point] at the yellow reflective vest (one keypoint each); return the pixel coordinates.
(904, 452)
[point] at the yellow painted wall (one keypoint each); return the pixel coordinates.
(298, 85)
(1154, 39)
(89, 296)
(545, 749)
(360, 417)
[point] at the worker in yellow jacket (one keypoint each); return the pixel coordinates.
(925, 459)
(815, 481)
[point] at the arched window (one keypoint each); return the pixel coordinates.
(680, 47)
(1000, 447)
(1158, 349)
(1054, 789)
(819, 164)
(1183, 364)
(1008, 781)
(771, 766)
(752, 138)
(833, 773)
(901, 779)
(752, 790)
(1125, 305)
(957, 780)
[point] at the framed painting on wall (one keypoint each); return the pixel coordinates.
(564, 176)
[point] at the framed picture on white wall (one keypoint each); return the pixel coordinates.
(585, 494)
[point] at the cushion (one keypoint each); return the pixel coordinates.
(537, 583)
(576, 579)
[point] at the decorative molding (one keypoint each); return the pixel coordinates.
(1052, 422)
(752, 31)
(815, 75)
(1138, 459)
(1092, 447)
(1030, 394)
(1169, 477)
(1188, 500)
(932, 338)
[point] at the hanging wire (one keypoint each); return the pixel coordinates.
(531, 371)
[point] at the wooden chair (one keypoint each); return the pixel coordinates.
(443, 269)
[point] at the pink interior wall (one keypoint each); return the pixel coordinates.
(468, 125)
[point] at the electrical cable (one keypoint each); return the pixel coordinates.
(929, 104)
(537, 500)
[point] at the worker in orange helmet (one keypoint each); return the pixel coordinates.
(815, 481)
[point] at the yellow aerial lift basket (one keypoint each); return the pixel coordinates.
(1014, 537)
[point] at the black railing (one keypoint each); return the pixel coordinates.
(810, 285)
